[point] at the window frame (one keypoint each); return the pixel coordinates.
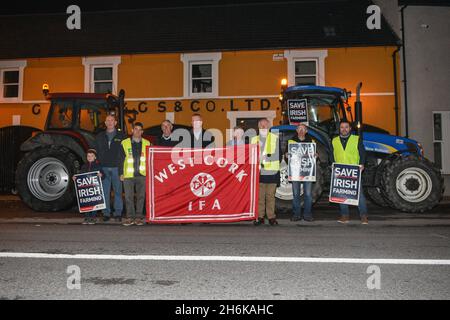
(91, 63)
(293, 56)
(316, 82)
(93, 81)
(190, 59)
(12, 65)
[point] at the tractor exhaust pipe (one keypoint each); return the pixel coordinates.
(122, 110)
(358, 109)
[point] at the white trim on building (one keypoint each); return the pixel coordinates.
(12, 65)
(306, 55)
(90, 63)
(188, 60)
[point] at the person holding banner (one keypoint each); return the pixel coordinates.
(301, 137)
(348, 149)
(133, 173)
(269, 177)
(91, 165)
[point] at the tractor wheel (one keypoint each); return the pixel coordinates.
(284, 194)
(44, 178)
(374, 194)
(412, 184)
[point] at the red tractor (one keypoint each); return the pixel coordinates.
(43, 175)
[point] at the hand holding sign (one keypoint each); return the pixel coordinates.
(89, 190)
(345, 184)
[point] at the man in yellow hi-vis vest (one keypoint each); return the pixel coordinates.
(132, 173)
(269, 177)
(349, 149)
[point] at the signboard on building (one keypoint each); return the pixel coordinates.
(297, 111)
(89, 190)
(302, 162)
(345, 184)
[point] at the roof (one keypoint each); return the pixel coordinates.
(78, 95)
(332, 90)
(225, 27)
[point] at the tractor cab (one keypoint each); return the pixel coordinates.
(57, 153)
(326, 106)
(84, 113)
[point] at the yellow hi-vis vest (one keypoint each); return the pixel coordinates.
(128, 165)
(270, 147)
(351, 153)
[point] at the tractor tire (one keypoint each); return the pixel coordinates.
(44, 178)
(284, 196)
(412, 184)
(375, 195)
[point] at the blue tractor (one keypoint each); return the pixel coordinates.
(396, 174)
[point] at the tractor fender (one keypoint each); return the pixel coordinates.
(77, 145)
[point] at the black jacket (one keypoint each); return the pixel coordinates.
(206, 140)
(91, 166)
(166, 142)
(109, 155)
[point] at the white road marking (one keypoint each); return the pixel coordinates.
(224, 258)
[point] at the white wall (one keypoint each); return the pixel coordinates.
(427, 43)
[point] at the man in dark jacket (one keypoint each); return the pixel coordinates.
(166, 139)
(200, 138)
(109, 148)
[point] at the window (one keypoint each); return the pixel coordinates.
(101, 74)
(201, 74)
(249, 119)
(441, 140)
(306, 72)
(92, 116)
(61, 115)
(201, 78)
(306, 67)
(11, 83)
(103, 79)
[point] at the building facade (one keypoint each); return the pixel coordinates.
(224, 62)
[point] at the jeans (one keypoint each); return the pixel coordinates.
(362, 206)
(296, 201)
(111, 177)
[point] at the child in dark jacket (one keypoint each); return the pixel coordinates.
(91, 165)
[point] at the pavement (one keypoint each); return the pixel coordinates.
(396, 256)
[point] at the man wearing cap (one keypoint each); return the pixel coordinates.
(132, 173)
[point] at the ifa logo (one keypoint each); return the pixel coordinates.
(202, 185)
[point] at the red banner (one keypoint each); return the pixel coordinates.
(202, 185)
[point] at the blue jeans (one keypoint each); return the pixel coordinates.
(296, 201)
(111, 177)
(362, 206)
